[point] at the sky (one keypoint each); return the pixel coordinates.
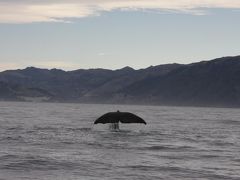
(112, 34)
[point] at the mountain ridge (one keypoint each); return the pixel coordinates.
(206, 83)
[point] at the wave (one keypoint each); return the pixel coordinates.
(27, 163)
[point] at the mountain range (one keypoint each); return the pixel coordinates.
(206, 83)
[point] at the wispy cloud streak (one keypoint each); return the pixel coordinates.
(27, 11)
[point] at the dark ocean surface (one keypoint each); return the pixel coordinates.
(48, 141)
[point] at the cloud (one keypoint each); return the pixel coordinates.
(5, 66)
(27, 11)
(55, 64)
(101, 54)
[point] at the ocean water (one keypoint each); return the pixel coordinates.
(48, 141)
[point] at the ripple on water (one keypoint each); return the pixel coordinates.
(28, 163)
(58, 141)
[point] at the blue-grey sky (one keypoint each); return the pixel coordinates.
(71, 34)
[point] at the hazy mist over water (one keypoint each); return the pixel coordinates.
(47, 141)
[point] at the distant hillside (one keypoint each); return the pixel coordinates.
(207, 83)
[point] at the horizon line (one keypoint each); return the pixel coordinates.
(62, 69)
